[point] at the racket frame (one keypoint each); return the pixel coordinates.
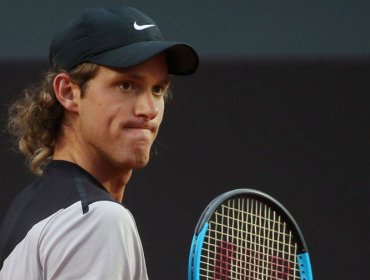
(201, 228)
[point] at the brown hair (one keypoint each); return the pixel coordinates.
(36, 117)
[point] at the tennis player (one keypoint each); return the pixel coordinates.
(92, 120)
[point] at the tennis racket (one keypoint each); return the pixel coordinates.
(245, 234)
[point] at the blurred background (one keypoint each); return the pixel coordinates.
(280, 104)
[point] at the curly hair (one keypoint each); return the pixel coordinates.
(35, 118)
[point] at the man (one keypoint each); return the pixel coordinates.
(84, 129)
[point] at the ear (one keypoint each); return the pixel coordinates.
(67, 92)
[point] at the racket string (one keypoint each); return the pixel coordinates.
(248, 240)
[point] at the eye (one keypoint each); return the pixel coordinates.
(159, 90)
(126, 86)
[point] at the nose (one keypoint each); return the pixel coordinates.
(147, 106)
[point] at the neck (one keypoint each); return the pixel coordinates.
(113, 178)
(116, 187)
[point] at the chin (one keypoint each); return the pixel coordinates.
(134, 159)
(139, 161)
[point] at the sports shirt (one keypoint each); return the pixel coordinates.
(65, 225)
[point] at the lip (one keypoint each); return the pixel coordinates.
(140, 127)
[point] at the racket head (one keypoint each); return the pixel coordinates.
(251, 217)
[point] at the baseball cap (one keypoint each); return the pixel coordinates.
(117, 37)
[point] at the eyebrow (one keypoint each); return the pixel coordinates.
(139, 76)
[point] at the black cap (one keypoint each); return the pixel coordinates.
(117, 37)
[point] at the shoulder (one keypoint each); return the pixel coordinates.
(104, 238)
(105, 223)
(107, 212)
(101, 215)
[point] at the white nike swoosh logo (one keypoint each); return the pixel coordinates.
(142, 27)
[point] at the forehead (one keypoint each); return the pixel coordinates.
(154, 68)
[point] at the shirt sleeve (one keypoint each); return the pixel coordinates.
(101, 244)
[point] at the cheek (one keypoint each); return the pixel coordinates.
(161, 112)
(101, 109)
(110, 119)
(94, 120)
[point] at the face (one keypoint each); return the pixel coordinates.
(120, 113)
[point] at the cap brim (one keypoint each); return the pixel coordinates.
(181, 58)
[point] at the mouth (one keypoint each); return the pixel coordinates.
(140, 128)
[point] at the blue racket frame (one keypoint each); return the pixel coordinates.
(201, 229)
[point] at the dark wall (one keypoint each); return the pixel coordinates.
(296, 129)
(215, 28)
